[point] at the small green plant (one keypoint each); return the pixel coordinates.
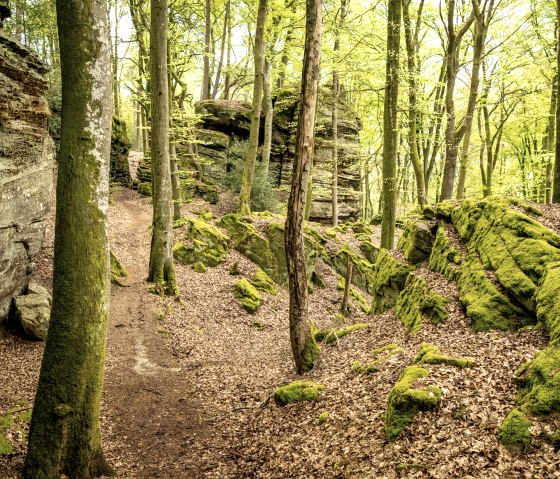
(323, 417)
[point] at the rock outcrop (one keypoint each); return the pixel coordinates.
(26, 165)
(33, 311)
(225, 130)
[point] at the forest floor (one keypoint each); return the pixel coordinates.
(189, 384)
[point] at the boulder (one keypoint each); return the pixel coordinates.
(33, 311)
(26, 159)
(416, 241)
(120, 146)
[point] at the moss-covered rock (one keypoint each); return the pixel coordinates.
(417, 300)
(297, 391)
(332, 335)
(362, 269)
(199, 267)
(445, 209)
(120, 146)
(389, 278)
(381, 355)
(355, 295)
(368, 248)
(416, 241)
(145, 188)
(117, 270)
(445, 258)
(405, 401)
(203, 243)
(430, 354)
(514, 432)
(485, 305)
(247, 295)
(263, 282)
(547, 301)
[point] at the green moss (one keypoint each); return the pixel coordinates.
(389, 278)
(416, 241)
(417, 300)
(145, 188)
(485, 305)
(311, 352)
(405, 402)
(332, 335)
(444, 210)
(117, 270)
(362, 272)
(514, 432)
(381, 354)
(263, 282)
(323, 417)
(297, 391)
(259, 324)
(199, 251)
(368, 249)
(204, 243)
(234, 269)
(428, 212)
(247, 295)
(354, 294)
(445, 258)
(199, 267)
(548, 304)
(205, 215)
(203, 231)
(430, 354)
(388, 348)
(180, 222)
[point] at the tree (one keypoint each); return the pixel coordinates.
(249, 168)
(304, 347)
(390, 126)
(65, 432)
(556, 182)
(161, 271)
(206, 80)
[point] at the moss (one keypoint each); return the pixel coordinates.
(180, 222)
(389, 278)
(204, 243)
(359, 227)
(234, 269)
(416, 241)
(323, 417)
(548, 306)
(311, 352)
(405, 402)
(428, 212)
(445, 258)
(354, 294)
(205, 215)
(197, 252)
(430, 354)
(203, 231)
(332, 335)
(388, 348)
(145, 188)
(381, 354)
(297, 391)
(444, 210)
(263, 282)
(514, 432)
(199, 267)
(117, 270)
(417, 300)
(368, 249)
(247, 295)
(362, 275)
(259, 324)
(485, 305)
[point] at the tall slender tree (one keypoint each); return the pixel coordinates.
(65, 432)
(390, 125)
(249, 168)
(161, 270)
(304, 347)
(206, 80)
(556, 182)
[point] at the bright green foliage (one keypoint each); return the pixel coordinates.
(199, 267)
(514, 432)
(323, 417)
(405, 402)
(430, 354)
(117, 270)
(445, 258)
(389, 279)
(263, 282)
(487, 307)
(332, 335)
(247, 295)
(297, 391)
(548, 302)
(417, 300)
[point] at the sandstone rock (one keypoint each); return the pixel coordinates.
(33, 310)
(26, 165)
(120, 146)
(416, 241)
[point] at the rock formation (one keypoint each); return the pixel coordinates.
(225, 129)
(26, 165)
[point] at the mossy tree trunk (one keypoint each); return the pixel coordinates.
(249, 168)
(175, 180)
(390, 126)
(304, 348)
(161, 271)
(65, 432)
(556, 182)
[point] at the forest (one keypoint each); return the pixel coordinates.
(279, 239)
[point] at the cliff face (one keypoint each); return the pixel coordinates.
(225, 125)
(26, 165)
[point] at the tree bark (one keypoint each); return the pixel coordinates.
(556, 182)
(222, 50)
(304, 348)
(175, 180)
(249, 168)
(268, 117)
(161, 271)
(65, 432)
(115, 61)
(207, 50)
(390, 126)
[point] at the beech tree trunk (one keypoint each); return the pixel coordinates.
(304, 347)
(556, 182)
(222, 50)
(207, 50)
(249, 168)
(65, 432)
(161, 271)
(390, 126)
(268, 117)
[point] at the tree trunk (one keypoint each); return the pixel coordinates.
(115, 60)
(227, 79)
(207, 49)
(175, 180)
(412, 102)
(288, 41)
(249, 168)
(65, 432)
(222, 51)
(556, 182)
(268, 117)
(390, 126)
(304, 348)
(161, 271)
